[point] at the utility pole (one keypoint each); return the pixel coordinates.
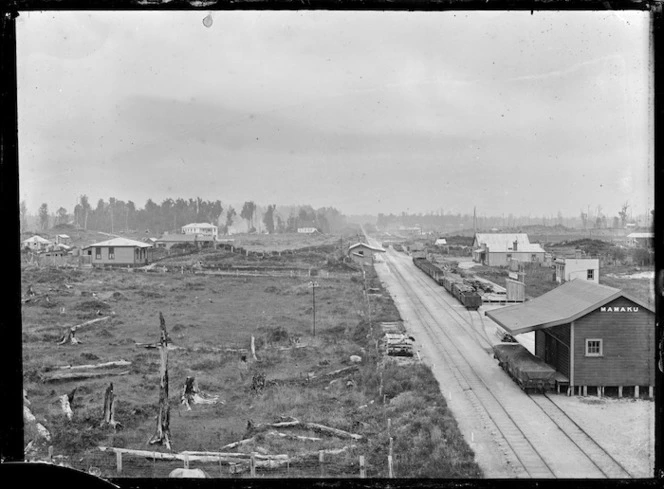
(313, 286)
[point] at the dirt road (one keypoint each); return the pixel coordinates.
(513, 434)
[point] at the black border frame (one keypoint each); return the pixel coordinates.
(11, 373)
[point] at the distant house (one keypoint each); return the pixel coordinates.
(201, 228)
(568, 269)
(362, 253)
(307, 230)
(63, 239)
(118, 251)
(498, 249)
(440, 242)
(37, 243)
(167, 241)
(641, 240)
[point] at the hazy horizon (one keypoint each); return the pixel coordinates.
(367, 112)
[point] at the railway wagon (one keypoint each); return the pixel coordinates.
(452, 282)
(530, 372)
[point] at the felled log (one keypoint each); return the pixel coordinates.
(69, 334)
(335, 373)
(151, 346)
(119, 363)
(109, 408)
(251, 427)
(81, 375)
(292, 437)
(191, 394)
(214, 457)
(163, 433)
(239, 443)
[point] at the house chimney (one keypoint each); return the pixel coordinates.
(516, 243)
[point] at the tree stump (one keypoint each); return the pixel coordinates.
(163, 433)
(109, 408)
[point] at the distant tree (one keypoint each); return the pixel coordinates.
(584, 219)
(623, 214)
(268, 218)
(85, 207)
(247, 213)
(43, 216)
(230, 215)
(23, 214)
(560, 218)
(281, 226)
(616, 222)
(61, 216)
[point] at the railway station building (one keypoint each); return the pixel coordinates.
(118, 251)
(596, 337)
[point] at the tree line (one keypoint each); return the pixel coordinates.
(115, 215)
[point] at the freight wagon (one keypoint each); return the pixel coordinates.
(452, 282)
(525, 368)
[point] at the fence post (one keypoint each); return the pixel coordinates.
(389, 426)
(363, 472)
(253, 465)
(50, 453)
(118, 459)
(186, 460)
(389, 467)
(320, 462)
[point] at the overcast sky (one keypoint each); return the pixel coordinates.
(365, 111)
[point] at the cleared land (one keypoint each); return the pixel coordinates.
(210, 319)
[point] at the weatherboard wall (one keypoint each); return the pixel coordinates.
(628, 338)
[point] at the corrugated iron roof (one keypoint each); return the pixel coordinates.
(641, 235)
(562, 305)
(184, 238)
(119, 242)
(504, 242)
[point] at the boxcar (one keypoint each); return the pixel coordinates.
(525, 368)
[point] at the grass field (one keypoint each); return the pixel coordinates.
(205, 315)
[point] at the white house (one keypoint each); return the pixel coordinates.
(643, 240)
(440, 242)
(37, 243)
(498, 249)
(202, 228)
(307, 230)
(568, 269)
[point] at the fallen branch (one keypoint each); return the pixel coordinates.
(81, 376)
(334, 373)
(309, 426)
(69, 334)
(293, 437)
(119, 363)
(158, 345)
(239, 443)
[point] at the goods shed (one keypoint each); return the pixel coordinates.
(596, 336)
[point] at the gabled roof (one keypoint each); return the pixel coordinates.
(37, 239)
(200, 225)
(63, 236)
(372, 248)
(119, 242)
(562, 305)
(504, 242)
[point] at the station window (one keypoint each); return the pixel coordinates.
(591, 274)
(97, 253)
(111, 253)
(594, 348)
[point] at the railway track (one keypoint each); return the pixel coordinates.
(522, 452)
(602, 459)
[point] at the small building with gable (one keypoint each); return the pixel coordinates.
(498, 249)
(362, 253)
(118, 251)
(568, 269)
(595, 336)
(201, 228)
(641, 240)
(37, 243)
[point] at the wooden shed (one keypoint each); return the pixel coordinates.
(362, 253)
(595, 336)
